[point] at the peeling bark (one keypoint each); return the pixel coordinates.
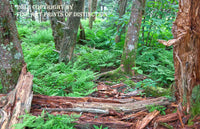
(11, 56)
(17, 102)
(129, 53)
(186, 52)
(146, 120)
(71, 29)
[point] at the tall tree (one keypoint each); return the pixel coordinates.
(129, 52)
(11, 56)
(70, 34)
(93, 9)
(56, 23)
(186, 44)
(120, 29)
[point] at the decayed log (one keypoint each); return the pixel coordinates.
(131, 116)
(126, 107)
(82, 104)
(17, 101)
(145, 121)
(88, 124)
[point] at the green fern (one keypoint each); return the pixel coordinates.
(47, 121)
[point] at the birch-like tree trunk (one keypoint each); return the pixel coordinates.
(92, 12)
(56, 23)
(186, 42)
(71, 29)
(130, 45)
(120, 29)
(11, 56)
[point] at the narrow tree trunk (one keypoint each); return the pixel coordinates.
(92, 13)
(120, 29)
(129, 53)
(11, 56)
(186, 42)
(82, 34)
(56, 23)
(70, 34)
(32, 10)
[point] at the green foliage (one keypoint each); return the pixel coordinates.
(96, 60)
(146, 83)
(53, 78)
(101, 127)
(47, 121)
(137, 70)
(195, 108)
(41, 36)
(101, 36)
(24, 31)
(1, 87)
(157, 23)
(157, 63)
(152, 108)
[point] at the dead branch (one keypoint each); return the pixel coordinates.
(88, 110)
(146, 120)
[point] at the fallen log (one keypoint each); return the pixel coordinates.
(126, 107)
(113, 124)
(17, 102)
(62, 103)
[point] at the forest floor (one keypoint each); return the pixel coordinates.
(116, 106)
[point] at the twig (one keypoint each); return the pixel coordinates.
(56, 51)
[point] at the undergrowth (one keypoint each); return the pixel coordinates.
(47, 121)
(53, 78)
(157, 63)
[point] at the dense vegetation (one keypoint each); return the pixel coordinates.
(99, 54)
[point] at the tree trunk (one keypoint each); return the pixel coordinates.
(82, 35)
(11, 56)
(92, 13)
(120, 29)
(32, 10)
(70, 34)
(56, 23)
(186, 42)
(129, 53)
